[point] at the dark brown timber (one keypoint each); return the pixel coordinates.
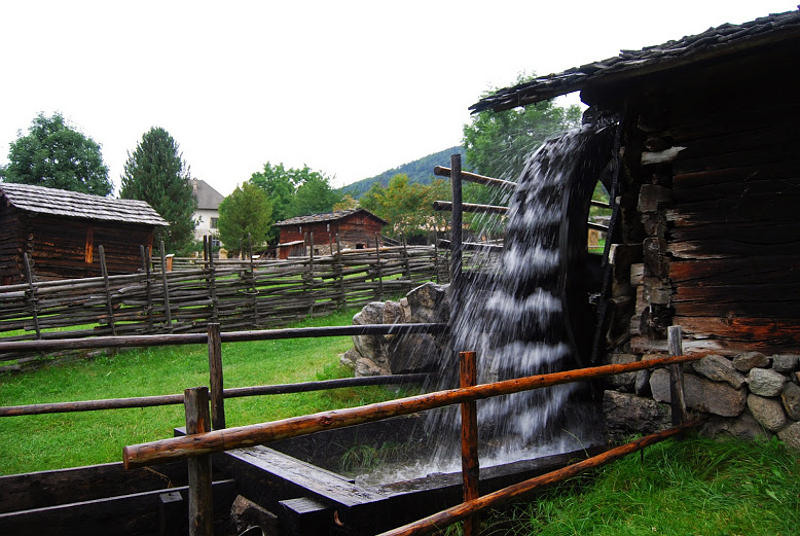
(470, 468)
(456, 229)
(104, 272)
(677, 402)
(441, 171)
(201, 502)
(444, 518)
(256, 434)
(215, 377)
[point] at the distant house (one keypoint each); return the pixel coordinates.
(356, 229)
(61, 231)
(206, 215)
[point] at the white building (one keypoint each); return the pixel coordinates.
(206, 215)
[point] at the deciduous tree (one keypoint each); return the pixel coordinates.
(156, 172)
(247, 210)
(55, 155)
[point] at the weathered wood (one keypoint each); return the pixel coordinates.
(456, 226)
(444, 518)
(441, 171)
(444, 206)
(677, 401)
(148, 292)
(243, 436)
(470, 468)
(167, 309)
(201, 501)
(215, 377)
(109, 304)
(32, 299)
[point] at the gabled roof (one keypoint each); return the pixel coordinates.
(326, 217)
(723, 40)
(41, 200)
(207, 197)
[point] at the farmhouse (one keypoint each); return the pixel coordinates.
(206, 215)
(354, 229)
(61, 231)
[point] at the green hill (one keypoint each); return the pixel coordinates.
(420, 170)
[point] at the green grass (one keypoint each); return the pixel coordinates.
(695, 487)
(39, 442)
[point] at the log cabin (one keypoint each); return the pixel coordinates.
(355, 229)
(61, 231)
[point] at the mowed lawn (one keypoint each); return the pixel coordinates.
(39, 442)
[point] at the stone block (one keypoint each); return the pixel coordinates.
(626, 380)
(765, 382)
(719, 369)
(370, 346)
(626, 414)
(368, 367)
(767, 411)
(791, 436)
(785, 362)
(742, 427)
(744, 362)
(349, 358)
(414, 353)
(790, 397)
(428, 303)
(701, 394)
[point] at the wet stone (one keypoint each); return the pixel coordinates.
(785, 362)
(744, 362)
(765, 382)
(701, 394)
(428, 303)
(790, 397)
(719, 369)
(767, 411)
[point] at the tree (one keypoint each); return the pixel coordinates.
(247, 210)
(498, 143)
(156, 173)
(314, 196)
(55, 155)
(346, 203)
(408, 207)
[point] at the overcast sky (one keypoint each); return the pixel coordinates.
(349, 88)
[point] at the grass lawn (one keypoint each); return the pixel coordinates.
(39, 442)
(697, 487)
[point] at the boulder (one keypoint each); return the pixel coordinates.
(742, 427)
(350, 358)
(627, 380)
(719, 369)
(744, 362)
(765, 382)
(414, 353)
(626, 414)
(370, 346)
(428, 303)
(393, 313)
(791, 436)
(785, 362)
(701, 394)
(368, 367)
(790, 397)
(767, 411)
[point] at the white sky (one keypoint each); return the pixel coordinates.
(349, 88)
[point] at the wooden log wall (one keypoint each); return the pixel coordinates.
(274, 293)
(717, 218)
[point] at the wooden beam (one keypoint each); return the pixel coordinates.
(441, 171)
(443, 206)
(201, 501)
(470, 467)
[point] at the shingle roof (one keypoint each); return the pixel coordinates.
(41, 200)
(328, 216)
(725, 39)
(207, 197)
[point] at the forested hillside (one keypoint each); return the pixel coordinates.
(420, 171)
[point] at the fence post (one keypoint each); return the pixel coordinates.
(340, 269)
(378, 268)
(470, 468)
(406, 266)
(104, 272)
(253, 291)
(677, 402)
(215, 377)
(32, 299)
(167, 309)
(457, 219)
(310, 289)
(201, 502)
(212, 282)
(148, 288)
(436, 257)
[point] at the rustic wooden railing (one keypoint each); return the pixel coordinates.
(202, 444)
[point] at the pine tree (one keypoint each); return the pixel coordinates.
(156, 173)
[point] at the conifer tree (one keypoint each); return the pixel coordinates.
(156, 173)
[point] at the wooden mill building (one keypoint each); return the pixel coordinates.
(355, 229)
(709, 183)
(61, 230)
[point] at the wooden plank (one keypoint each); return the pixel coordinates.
(677, 401)
(765, 334)
(201, 500)
(215, 373)
(470, 467)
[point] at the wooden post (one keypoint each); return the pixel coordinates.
(310, 289)
(470, 467)
(205, 248)
(215, 373)
(378, 268)
(340, 273)
(677, 401)
(104, 273)
(167, 309)
(436, 256)
(457, 221)
(32, 299)
(406, 267)
(201, 503)
(148, 289)
(212, 282)
(253, 291)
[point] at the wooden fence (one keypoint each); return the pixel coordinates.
(240, 294)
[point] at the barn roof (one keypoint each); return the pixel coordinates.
(716, 42)
(41, 200)
(326, 217)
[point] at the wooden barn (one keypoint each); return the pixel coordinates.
(61, 231)
(355, 229)
(708, 232)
